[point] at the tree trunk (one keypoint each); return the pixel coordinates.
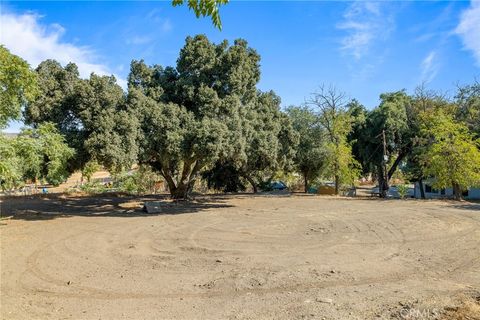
(180, 192)
(397, 161)
(181, 188)
(336, 176)
(305, 182)
(175, 191)
(337, 187)
(382, 184)
(457, 191)
(191, 185)
(250, 180)
(422, 189)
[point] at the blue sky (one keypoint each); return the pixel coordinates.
(363, 48)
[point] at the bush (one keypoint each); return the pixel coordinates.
(402, 190)
(89, 169)
(141, 181)
(93, 187)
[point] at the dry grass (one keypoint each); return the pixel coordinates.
(469, 309)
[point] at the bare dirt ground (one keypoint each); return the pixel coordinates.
(240, 257)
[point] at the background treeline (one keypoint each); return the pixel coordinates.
(205, 119)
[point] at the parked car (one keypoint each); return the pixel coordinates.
(393, 192)
(278, 185)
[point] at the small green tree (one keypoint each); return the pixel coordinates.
(341, 164)
(89, 169)
(30, 151)
(10, 173)
(44, 154)
(334, 117)
(422, 103)
(18, 86)
(402, 190)
(310, 153)
(452, 157)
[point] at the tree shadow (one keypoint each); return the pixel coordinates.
(50, 207)
(466, 205)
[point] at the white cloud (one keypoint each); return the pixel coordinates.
(469, 29)
(364, 23)
(166, 26)
(156, 24)
(429, 67)
(161, 23)
(136, 40)
(25, 36)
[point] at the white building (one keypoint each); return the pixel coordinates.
(432, 193)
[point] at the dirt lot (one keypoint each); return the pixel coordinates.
(240, 257)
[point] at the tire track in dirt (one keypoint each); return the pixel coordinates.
(263, 254)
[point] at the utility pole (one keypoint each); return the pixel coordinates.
(384, 186)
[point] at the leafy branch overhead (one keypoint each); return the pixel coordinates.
(205, 8)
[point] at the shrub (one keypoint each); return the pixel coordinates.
(402, 190)
(138, 182)
(93, 187)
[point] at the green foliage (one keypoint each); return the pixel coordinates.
(265, 185)
(310, 153)
(268, 141)
(93, 187)
(89, 169)
(390, 116)
(44, 154)
(467, 101)
(358, 115)
(402, 190)
(141, 181)
(452, 156)
(18, 86)
(128, 184)
(91, 113)
(36, 154)
(10, 173)
(207, 109)
(423, 102)
(341, 163)
(406, 121)
(224, 176)
(336, 122)
(205, 8)
(205, 117)
(292, 179)
(393, 117)
(30, 151)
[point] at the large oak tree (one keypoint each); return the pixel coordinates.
(207, 109)
(92, 114)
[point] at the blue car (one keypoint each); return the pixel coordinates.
(278, 185)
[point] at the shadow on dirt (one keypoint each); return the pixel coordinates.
(107, 205)
(467, 205)
(52, 206)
